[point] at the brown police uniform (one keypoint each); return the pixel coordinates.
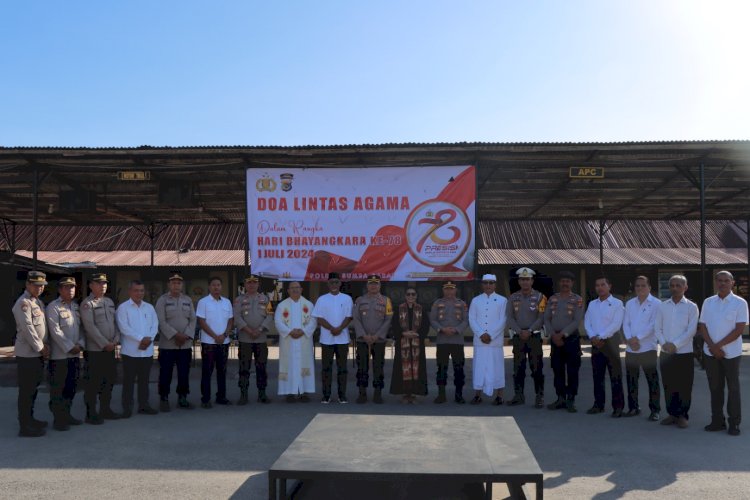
(176, 315)
(64, 325)
(450, 313)
(31, 337)
(563, 315)
(254, 311)
(371, 316)
(98, 320)
(525, 312)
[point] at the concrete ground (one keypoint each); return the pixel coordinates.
(225, 452)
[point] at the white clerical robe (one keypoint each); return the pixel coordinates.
(296, 356)
(487, 315)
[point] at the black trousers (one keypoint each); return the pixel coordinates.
(168, 359)
(100, 373)
(377, 351)
(214, 356)
(341, 353)
(248, 351)
(634, 363)
(30, 373)
(135, 370)
(530, 349)
(608, 358)
(566, 363)
(456, 353)
(721, 373)
(63, 381)
(677, 376)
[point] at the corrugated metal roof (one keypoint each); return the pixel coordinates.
(199, 258)
(615, 256)
(621, 234)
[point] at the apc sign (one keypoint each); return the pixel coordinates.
(586, 173)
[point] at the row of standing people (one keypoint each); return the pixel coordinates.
(296, 319)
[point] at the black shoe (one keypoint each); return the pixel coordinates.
(60, 425)
(31, 431)
(617, 413)
(343, 400)
(557, 405)
(326, 400)
(518, 399)
(72, 420)
(539, 401)
(290, 399)
(362, 398)
(570, 405)
(377, 398)
(94, 419)
(164, 406)
(715, 427)
(476, 400)
(734, 430)
(184, 404)
(654, 417)
(440, 398)
(497, 401)
(206, 405)
(262, 398)
(243, 399)
(459, 399)
(147, 411)
(223, 402)
(594, 410)
(126, 413)
(633, 413)
(39, 424)
(109, 415)
(304, 398)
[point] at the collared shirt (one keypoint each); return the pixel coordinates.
(176, 315)
(604, 317)
(371, 315)
(676, 324)
(98, 320)
(334, 309)
(254, 311)
(135, 323)
(526, 312)
(31, 327)
(639, 322)
(64, 326)
(721, 317)
(217, 314)
(452, 313)
(563, 314)
(487, 314)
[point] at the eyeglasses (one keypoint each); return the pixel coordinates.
(411, 294)
(488, 282)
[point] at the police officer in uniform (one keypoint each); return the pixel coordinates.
(177, 322)
(66, 345)
(371, 317)
(253, 316)
(98, 319)
(31, 350)
(525, 319)
(449, 317)
(562, 317)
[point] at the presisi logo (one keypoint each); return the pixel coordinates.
(265, 183)
(438, 233)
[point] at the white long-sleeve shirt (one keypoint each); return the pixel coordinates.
(639, 322)
(487, 314)
(677, 323)
(604, 317)
(136, 322)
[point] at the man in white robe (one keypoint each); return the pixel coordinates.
(487, 318)
(296, 324)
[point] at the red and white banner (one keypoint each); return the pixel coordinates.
(402, 223)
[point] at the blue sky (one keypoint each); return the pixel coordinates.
(185, 72)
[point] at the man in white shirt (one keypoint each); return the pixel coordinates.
(296, 324)
(603, 321)
(487, 319)
(640, 352)
(723, 318)
(675, 325)
(215, 318)
(138, 325)
(334, 313)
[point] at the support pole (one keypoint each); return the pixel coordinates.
(601, 244)
(36, 217)
(247, 237)
(747, 236)
(702, 185)
(152, 237)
